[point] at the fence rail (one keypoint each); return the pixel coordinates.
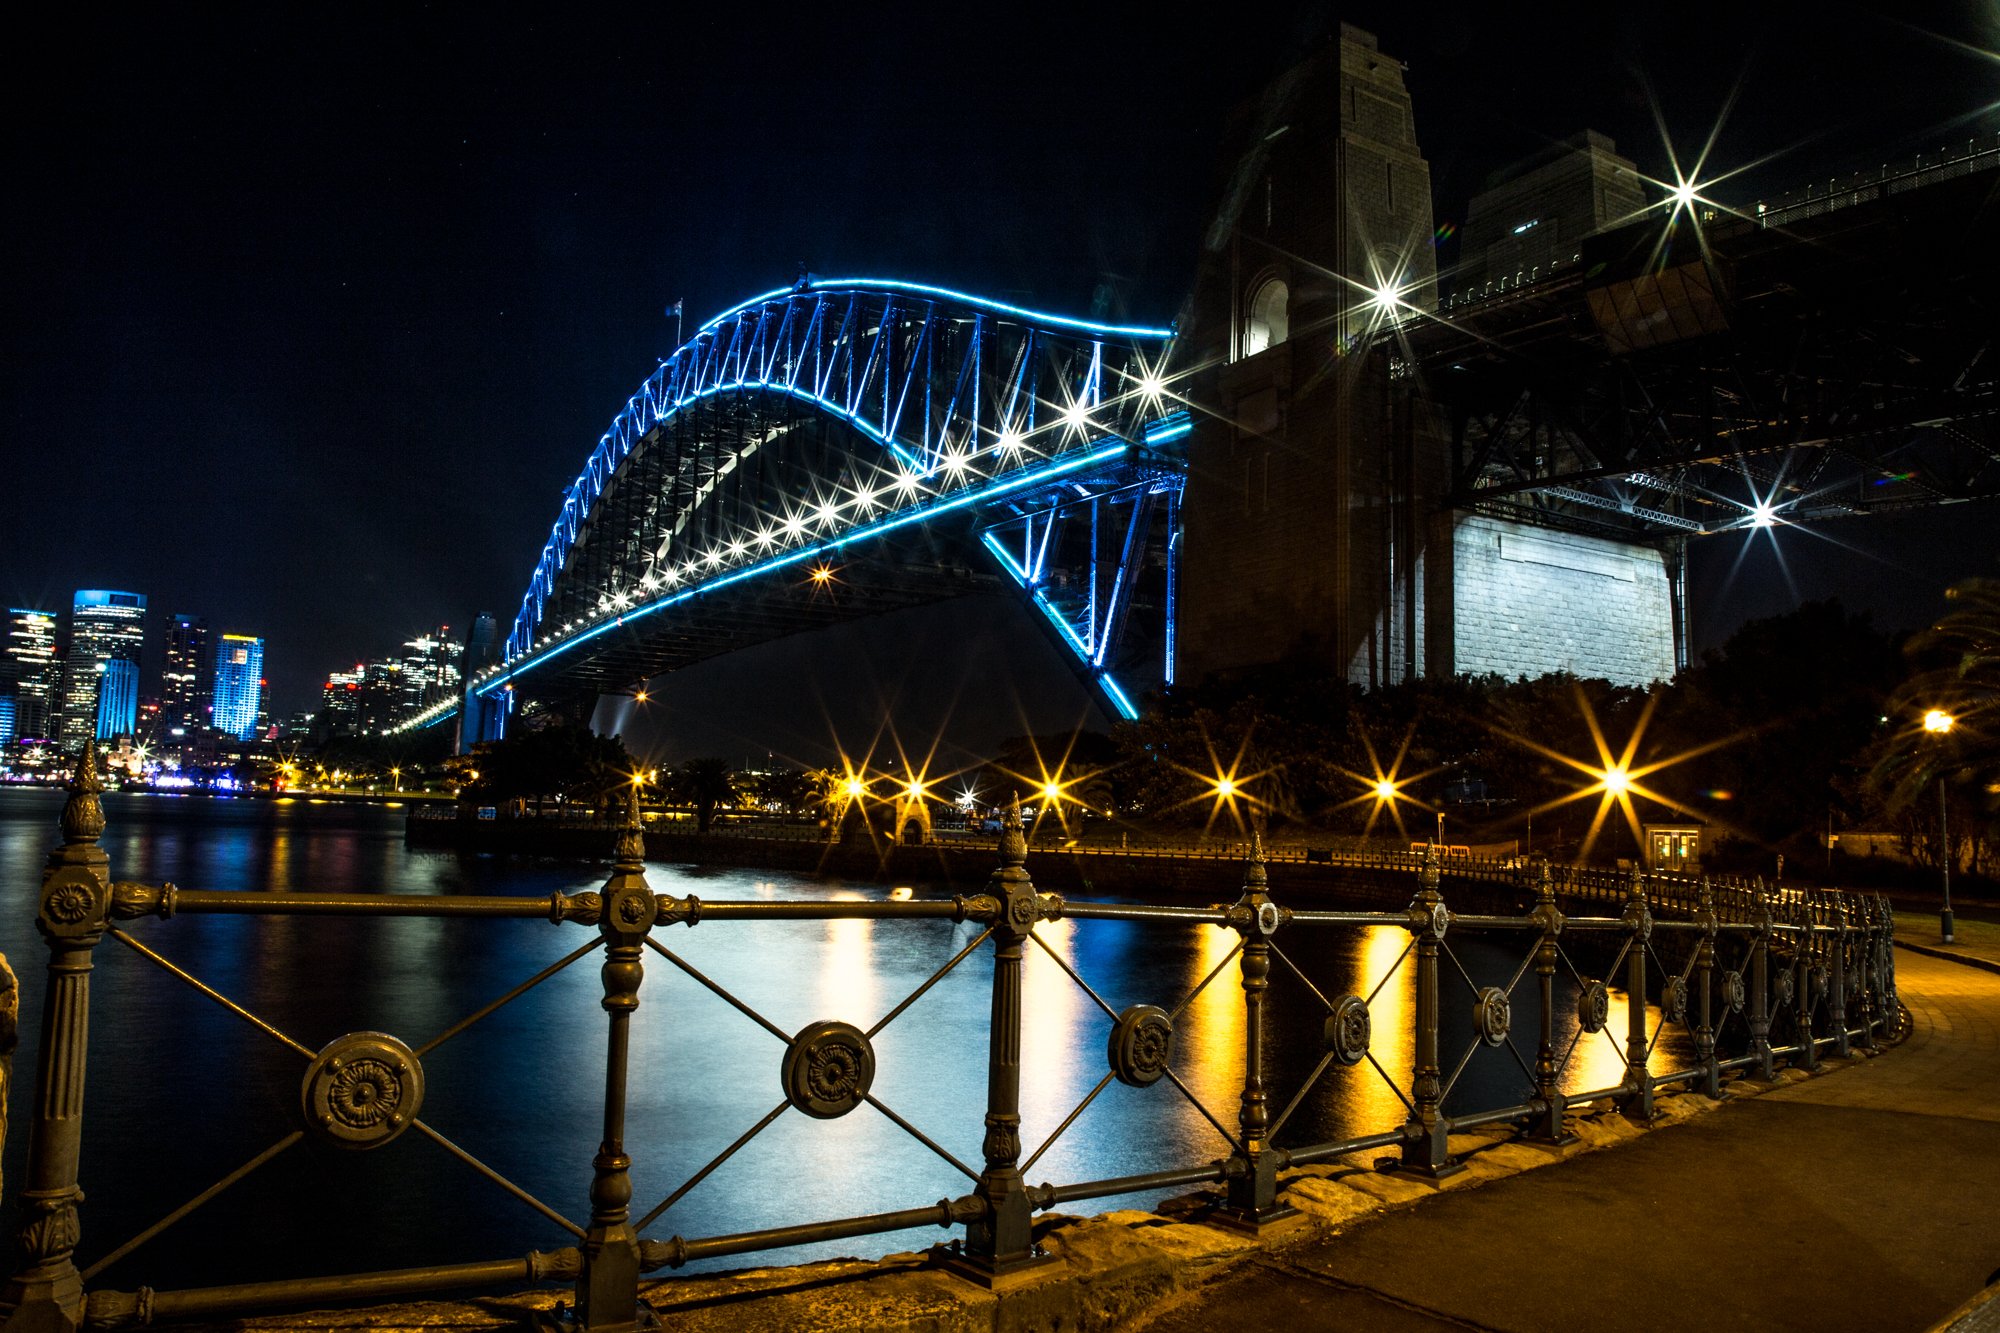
(1786, 976)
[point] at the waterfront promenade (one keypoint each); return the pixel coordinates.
(1867, 1198)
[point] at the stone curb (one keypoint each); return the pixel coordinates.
(1981, 1314)
(1950, 955)
(1116, 1270)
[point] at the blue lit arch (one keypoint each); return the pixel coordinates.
(948, 401)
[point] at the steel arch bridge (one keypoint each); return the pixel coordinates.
(846, 447)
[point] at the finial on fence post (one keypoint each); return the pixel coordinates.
(630, 850)
(1013, 842)
(83, 813)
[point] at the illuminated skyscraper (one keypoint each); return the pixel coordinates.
(185, 679)
(239, 684)
(430, 671)
(117, 697)
(104, 626)
(28, 669)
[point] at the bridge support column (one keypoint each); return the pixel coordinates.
(607, 1290)
(1253, 1195)
(1637, 1102)
(1000, 1243)
(1427, 1135)
(1547, 1126)
(46, 1295)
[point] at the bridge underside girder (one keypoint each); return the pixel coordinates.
(915, 571)
(1671, 382)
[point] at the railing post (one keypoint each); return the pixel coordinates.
(1802, 1005)
(1253, 1194)
(1002, 1242)
(1704, 965)
(607, 1289)
(1760, 986)
(1871, 977)
(1427, 1136)
(47, 1293)
(1548, 1127)
(1638, 1099)
(1836, 993)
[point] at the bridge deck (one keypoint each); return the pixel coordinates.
(1869, 1199)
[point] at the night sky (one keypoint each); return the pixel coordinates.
(312, 313)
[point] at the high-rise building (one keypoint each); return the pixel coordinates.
(185, 679)
(28, 669)
(430, 671)
(117, 697)
(239, 684)
(381, 693)
(104, 626)
(340, 713)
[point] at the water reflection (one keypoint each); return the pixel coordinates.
(522, 1089)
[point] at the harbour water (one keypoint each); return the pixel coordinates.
(181, 1091)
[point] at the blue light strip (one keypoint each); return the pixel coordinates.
(1104, 453)
(1103, 678)
(1125, 708)
(945, 293)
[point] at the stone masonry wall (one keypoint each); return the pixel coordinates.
(1529, 601)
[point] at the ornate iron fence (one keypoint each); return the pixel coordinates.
(1782, 976)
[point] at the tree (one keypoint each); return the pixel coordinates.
(560, 760)
(1957, 678)
(705, 784)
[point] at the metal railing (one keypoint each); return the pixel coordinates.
(1783, 976)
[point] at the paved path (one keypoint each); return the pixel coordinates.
(1976, 940)
(1868, 1198)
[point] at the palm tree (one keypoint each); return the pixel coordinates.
(1958, 747)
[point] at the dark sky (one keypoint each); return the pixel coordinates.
(311, 313)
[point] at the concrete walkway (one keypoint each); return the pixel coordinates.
(1865, 1199)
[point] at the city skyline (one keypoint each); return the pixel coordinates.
(430, 508)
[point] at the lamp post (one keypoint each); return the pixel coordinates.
(1939, 723)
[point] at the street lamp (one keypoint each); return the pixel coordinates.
(1939, 723)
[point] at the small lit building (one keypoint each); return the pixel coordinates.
(1672, 848)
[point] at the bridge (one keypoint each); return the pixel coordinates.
(846, 447)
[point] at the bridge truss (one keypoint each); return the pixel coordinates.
(848, 447)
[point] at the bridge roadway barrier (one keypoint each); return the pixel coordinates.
(1788, 980)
